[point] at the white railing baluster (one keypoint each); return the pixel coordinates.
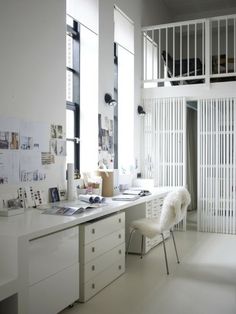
(173, 51)
(226, 45)
(181, 47)
(234, 45)
(145, 75)
(152, 54)
(159, 57)
(218, 55)
(188, 49)
(203, 47)
(167, 59)
(195, 49)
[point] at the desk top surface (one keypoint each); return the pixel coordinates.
(33, 223)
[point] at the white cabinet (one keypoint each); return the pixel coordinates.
(149, 209)
(102, 253)
(53, 271)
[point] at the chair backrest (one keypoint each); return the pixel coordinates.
(174, 208)
(168, 60)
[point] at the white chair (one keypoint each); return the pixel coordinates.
(173, 211)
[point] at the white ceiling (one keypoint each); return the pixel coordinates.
(186, 7)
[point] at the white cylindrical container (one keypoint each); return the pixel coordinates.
(70, 182)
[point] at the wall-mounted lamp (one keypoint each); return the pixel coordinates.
(141, 110)
(109, 100)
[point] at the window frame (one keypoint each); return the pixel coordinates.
(74, 105)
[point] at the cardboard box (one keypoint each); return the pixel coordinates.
(109, 182)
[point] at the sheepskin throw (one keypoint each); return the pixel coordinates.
(174, 208)
(173, 211)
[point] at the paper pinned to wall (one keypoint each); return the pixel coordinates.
(9, 167)
(31, 168)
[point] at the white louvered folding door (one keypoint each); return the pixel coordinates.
(164, 137)
(165, 141)
(217, 165)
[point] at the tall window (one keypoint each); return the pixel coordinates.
(73, 92)
(116, 107)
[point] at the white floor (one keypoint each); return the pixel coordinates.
(203, 283)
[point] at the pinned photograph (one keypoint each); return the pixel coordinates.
(61, 148)
(14, 140)
(4, 140)
(56, 131)
(54, 195)
(47, 158)
(53, 147)
(26, 143)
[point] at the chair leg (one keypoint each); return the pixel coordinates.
(164, 247)
(142, 246)
(172, 233)
(130, 237)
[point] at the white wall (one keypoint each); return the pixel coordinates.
(32, 63)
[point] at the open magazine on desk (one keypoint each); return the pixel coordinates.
(69, 210)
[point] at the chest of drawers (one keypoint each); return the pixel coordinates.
(102, 253)
(53, 271)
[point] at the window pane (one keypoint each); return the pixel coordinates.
(70, 124)
(70, 150)
(69, 51)
(69, 86)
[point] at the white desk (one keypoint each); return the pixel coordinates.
(25, 229)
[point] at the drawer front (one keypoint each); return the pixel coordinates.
(55, 293)
(101, 246)
(98, 229)
(101, 263)
(52, 253)
(94, 285)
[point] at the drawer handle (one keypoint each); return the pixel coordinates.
(93, 249)
(119, 220)
(93, 286)
(93, 231)
(120, 251)
(119, 236)
(93, 267)
(120, 267)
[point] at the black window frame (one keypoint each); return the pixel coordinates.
(74, 106)
(116, 108)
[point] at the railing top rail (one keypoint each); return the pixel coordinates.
(188, 22)
(223, 17)
(154, 27)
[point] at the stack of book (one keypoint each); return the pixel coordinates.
(131, 195)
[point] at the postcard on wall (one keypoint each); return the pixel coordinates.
(4, 140)
(34, 136)
(56, 131)
(47, 158)
(58, 147)
(14, 140)
(61, 148)
(9, 167)
(30, 167)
